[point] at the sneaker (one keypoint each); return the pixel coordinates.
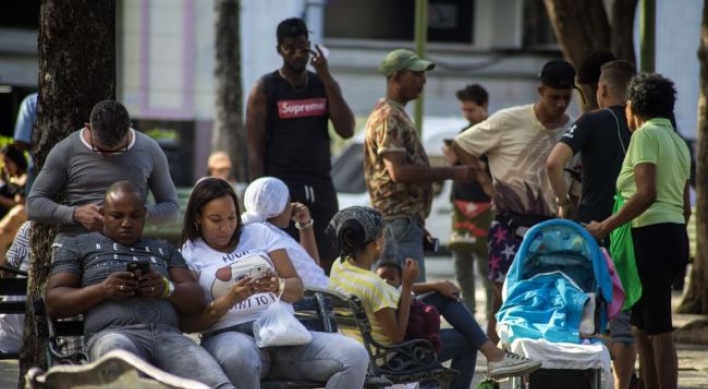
(511, 365)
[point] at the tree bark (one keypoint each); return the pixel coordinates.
(582, 26)
(76, 70)
(623, 12)
(696, 298)
(228, 131)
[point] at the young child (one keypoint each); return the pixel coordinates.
(424, 319)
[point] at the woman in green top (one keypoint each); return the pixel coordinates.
(653, 183)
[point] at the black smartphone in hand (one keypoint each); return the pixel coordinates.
(143, 266)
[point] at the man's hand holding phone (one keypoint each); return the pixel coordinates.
(319, 59)
(150, 283)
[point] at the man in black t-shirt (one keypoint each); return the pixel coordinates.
(602, 137)
(287, 128)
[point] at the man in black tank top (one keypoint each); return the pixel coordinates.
(287, 127)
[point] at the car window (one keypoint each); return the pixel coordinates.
(348, 170)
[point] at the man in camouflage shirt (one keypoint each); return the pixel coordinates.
(398, 175)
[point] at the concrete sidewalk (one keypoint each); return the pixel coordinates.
(693, 359)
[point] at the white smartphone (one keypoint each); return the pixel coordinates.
(257, 271)
(325, 51)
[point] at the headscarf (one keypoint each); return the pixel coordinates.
(264, 198)
(353, 228)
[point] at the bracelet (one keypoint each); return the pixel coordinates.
(281, 285)
(165, 288)
(168, 288)
(211, 310)
(305, 225)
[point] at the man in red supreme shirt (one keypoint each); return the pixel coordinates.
(286, 124)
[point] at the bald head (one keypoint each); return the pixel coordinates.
(123, 213)
(121, 189)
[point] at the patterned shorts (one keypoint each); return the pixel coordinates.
(503, 244)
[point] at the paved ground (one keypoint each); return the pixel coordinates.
(693, 359)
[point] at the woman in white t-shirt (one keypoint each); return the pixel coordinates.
(220, 249)
(267, 202)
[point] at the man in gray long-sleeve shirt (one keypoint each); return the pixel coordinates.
(81, 167)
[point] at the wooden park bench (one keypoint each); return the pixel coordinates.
(321, 310)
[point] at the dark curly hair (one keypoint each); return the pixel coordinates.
(206, 190)
(652, 96)
(474, 93)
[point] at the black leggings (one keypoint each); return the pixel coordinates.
(660, 251)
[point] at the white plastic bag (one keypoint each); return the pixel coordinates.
(277, 326)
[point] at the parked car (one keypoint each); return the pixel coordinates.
(348, 173)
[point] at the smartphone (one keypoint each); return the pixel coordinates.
(143, 266)
(325, 51)
(257, 271)
(448, 142)
(430, 244)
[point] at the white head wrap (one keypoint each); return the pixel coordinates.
(264, 198)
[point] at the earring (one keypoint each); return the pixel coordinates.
(196, 225)
(378, 246)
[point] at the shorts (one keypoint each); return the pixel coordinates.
(503, 242)
(661, 252)
(621, 329)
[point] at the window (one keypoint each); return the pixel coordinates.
(449, 21)
(19, 14)
(537, 32)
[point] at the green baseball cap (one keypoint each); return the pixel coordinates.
(403, 59)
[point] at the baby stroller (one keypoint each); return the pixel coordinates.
(555, 297)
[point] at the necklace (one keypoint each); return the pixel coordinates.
(292, 84)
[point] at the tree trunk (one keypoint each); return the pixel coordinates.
(696, 297)
(228, 131)
(76, 70)
(623, 12)
(581, 27)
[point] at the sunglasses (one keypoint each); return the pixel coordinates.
(290, 49)
(109, 152)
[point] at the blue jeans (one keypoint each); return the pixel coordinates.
(407, 236)
(340, 361)
(459, 343)
(163, 346)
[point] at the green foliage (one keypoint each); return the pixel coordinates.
(6, 140)
(163, 134)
